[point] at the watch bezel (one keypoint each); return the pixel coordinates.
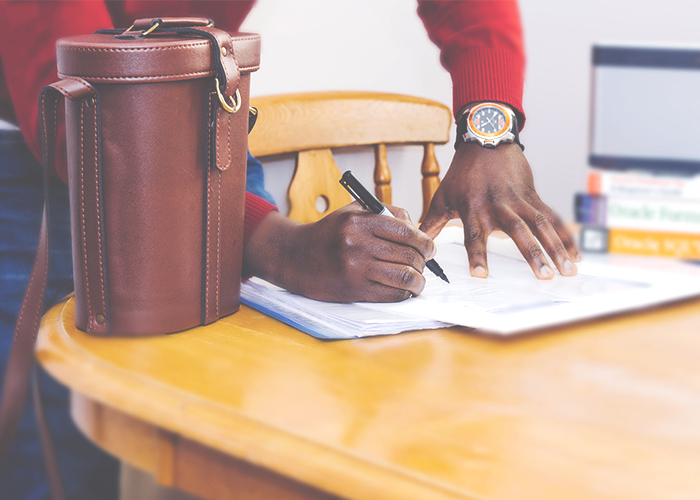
(467, 133)
(490, 136)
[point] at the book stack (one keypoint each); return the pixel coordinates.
(640, 213)
(643, 192)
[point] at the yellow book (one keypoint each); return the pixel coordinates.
(654, 243)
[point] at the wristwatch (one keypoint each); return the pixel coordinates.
(490, 124)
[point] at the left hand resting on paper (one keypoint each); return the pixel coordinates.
(350, 255)
(492, 189)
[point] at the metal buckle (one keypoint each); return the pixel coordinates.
(235, 99)
(151, 29)
(147, 32)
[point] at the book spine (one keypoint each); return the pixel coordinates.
(654, 243)
(648, 243)
(594, 239)
(676, 216)
(648, 186)
(590, 209)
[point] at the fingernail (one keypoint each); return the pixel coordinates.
(433, 253)
(546, 271)
(480, 272)
(578, 257)
(569, 267)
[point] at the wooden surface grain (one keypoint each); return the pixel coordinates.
(606, 409)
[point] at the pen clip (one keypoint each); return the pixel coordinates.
(352, 192)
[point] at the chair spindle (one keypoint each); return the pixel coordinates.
(382, 175)
(431, 172)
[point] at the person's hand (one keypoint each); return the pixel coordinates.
(350, 255)
(492, 189)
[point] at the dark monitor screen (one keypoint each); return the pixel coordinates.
(646, 108)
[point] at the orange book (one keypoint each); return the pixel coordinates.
(601, 182)
(654, 243)
(595, 183)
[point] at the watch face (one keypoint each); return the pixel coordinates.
(489, 121)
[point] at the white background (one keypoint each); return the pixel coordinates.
(311, 45)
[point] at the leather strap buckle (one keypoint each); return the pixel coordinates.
(145, 27)
(235, 99)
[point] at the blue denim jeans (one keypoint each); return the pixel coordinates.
(88, 473)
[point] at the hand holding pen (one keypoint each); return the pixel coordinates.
(350, 255)
(371, 203)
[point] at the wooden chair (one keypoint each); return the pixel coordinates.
(310, 124)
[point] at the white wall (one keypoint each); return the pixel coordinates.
(378, 45)
(381, 45)
(558, 37)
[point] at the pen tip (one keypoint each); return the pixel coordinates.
(445, 278)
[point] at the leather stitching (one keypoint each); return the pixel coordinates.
(48, 250)
(218, 122)
(138, 78)
(206, 271)
(227, 119)
(83, 230)
(33, 276)
(145, 78)
(216, 231)
(132, 49)
(238, 70)
(228, 141)
(223, 65)
(218, 241)
(64, 91)
(68, 94)
(246, 38)
(208, 295)
(99, 220)
(222, 118)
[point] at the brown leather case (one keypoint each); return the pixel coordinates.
(156, 168)
(157, 134)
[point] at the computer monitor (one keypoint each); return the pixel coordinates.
(646, 108)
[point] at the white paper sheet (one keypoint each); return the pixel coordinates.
(513, 300)
(509, 301)
(328, 320)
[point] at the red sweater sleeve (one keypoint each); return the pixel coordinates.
(481, 45)
(255, 211)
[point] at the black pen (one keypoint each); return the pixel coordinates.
(371, 203)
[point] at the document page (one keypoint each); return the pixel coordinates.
(513, 300)
(329, 320)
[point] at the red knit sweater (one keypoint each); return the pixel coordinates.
(480, 42)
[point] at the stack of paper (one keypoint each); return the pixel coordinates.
(510, 300)
(325, 319)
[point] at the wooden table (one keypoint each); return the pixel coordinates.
(250, 408)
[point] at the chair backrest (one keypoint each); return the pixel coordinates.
(310, 124)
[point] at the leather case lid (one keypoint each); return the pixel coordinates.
(106, 59)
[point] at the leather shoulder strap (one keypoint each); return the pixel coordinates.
(19, 364)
